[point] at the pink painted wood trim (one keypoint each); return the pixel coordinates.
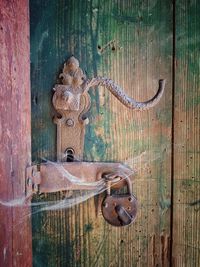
(15, 132)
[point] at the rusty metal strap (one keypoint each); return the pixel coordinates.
(54, 177)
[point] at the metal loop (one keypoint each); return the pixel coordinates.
(112, 182)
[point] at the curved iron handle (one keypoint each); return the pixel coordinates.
(118, 92)
(74, 84)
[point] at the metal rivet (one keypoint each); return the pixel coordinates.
(29, 182)
(35, 187)
(70, 123)
(130, 199)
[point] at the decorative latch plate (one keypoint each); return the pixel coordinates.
(72, 101)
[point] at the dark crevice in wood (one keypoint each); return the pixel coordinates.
(172, 129)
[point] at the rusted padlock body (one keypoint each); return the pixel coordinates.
(120, 209)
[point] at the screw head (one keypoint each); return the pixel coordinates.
(35, 187)
(70, 123)
(29, 181)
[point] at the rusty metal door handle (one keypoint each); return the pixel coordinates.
(119, 93)
(71, 100)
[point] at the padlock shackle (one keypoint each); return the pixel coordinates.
(124, 181)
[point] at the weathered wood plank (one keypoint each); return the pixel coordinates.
(130, 42)
(15, 132)
(186, 218)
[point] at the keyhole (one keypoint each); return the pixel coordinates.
(69, 155)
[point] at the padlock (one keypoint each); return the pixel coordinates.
(120, 209)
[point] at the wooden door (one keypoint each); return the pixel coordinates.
(132, 42)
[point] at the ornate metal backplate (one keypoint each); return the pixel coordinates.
(71, 102)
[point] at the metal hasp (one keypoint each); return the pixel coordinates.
(60, 176)
(72, 101)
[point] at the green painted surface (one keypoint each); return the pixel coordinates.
(186, 231)
(130, 42)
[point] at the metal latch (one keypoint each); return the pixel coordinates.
(71, 102)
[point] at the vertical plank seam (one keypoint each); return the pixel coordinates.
(172, 130)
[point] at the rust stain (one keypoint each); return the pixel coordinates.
(153, 250)
(165, 247)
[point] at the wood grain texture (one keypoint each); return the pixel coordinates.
(15, 132)
(186, 221)
(130, 42)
